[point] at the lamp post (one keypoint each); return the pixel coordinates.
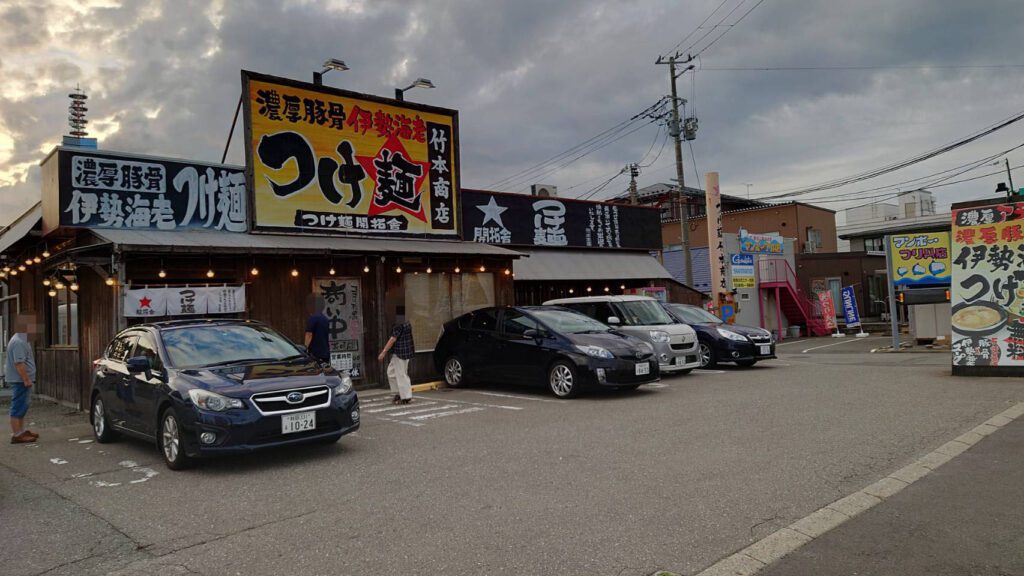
(419, 83)
(331, 64)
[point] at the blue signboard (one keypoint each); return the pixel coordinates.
(850, 307)
(742, 259)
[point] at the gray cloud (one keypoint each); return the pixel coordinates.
(533, 78)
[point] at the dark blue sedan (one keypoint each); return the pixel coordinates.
(721, 342)
(205, 387)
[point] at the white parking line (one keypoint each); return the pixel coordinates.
(777, 344)
(834, 344)
(431, 409)
(503, 407)
(448, 413)
(514, 396)
(390, 408)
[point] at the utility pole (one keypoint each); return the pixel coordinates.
(1010, 178)
(634, 171)
(675, 130)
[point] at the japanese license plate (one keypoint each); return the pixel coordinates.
(679, 360)
(766, 350)
(298, 422)
(643, 368)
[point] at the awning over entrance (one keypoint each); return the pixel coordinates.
(21, 227)
(180, 241)
(588, 265)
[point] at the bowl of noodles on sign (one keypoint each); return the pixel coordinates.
(978, 318)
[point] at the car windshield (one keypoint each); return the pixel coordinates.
(643, 313)
(568, 322)
(694, 315)
(215, 345)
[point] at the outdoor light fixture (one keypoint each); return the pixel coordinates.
(37, 260)
(606, 289)
(571, 291)
(398, 269)
(209, 263)
(52, 293)
(588, 289)
(14, 272)
(622, 287)
(109, 281)
(482, 268)
(7, 268)
(330, 64)
(28, 262)
(74, 287)
(295, 272)
(21, 268)
(255, 271)
(507, 271)
(419, 83)
(366, 266)
(46, 253)
(332, 271)
(59, 285)
(46, 282)
(161, 273)
(209, 273)
(429, 269)
(457, 269)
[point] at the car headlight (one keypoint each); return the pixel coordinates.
(732, 335)
(344, 386)
(211, 401)
(769, 336)
(595, 351)
(659, 336)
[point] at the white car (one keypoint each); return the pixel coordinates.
(675, 345)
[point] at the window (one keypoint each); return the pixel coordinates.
(433, 299)
(121, 347)
(515, 324)
(874, 244)
(62, 318)
(485, 320)
(199, 346)
(813, 240)
(641, 313)
(146, 347)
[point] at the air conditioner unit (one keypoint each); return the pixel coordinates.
(544, 190)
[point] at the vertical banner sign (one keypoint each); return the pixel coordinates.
(850, 307)
(828, 309)
(987, 292)
(716, 251)
(344, 310)
(324, 160)
(920, 259)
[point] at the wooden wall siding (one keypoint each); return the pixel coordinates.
(96, 325)
(58, 375)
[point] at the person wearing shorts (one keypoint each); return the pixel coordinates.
(20, 374)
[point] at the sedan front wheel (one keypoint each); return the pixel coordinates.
(454, 372)
(170, 442)
(562, 379)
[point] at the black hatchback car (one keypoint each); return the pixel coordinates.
(721, 342)
(541, 345)
(207, 387)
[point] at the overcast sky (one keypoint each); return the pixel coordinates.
(532, 78)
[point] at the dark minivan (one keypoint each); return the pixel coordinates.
(541, 345)
(207, 387)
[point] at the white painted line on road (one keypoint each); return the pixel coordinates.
(834, 344)
(395, 407)
(517, 397)
(700, 371)
(406, 422)
(448, 413)
(431, 409)
(773, 547)
(373, 394)
(503, 407)
(777, 344)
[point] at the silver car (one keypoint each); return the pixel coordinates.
(675, 345)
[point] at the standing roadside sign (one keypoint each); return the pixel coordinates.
(851, 312)
(828, 310)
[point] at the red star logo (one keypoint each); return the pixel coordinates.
(145, 302)
(394, 146)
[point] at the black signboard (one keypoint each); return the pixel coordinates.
(521, 220)
(102, 190)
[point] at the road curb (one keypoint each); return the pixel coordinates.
(778, 544)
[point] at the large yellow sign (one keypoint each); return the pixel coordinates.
(920, 258)
(326, 160)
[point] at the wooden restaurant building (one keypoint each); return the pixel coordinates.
(358, 202)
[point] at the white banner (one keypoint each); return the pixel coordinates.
(186, 301)
(183, 301)
(145, 302)
(225, 299)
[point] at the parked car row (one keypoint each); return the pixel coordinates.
(205, 387)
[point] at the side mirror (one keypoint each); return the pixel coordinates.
(531, 333)
(614, 320)
(138, 365)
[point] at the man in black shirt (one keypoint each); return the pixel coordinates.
(404, 350)
(317, 325)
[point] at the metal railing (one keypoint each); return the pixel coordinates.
(778, 271)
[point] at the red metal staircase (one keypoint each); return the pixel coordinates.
(775, 274)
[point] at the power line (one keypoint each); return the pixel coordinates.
(731, 26)
(874, 173)
(868, 67)
(601, 186)
(699, 26)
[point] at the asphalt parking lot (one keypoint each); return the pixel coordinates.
(502, 480)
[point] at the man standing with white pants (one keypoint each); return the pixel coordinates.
(404, 350)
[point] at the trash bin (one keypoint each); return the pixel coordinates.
(794, 331)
